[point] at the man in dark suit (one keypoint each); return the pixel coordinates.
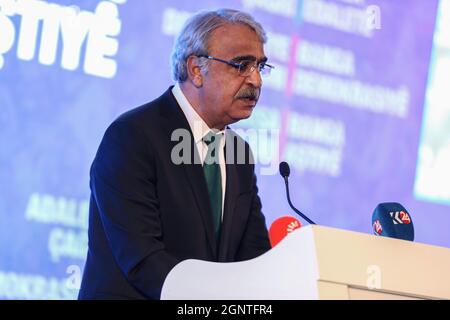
(170, 180)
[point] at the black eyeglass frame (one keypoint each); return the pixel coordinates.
(238, 65)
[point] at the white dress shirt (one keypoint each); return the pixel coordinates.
(200, 129)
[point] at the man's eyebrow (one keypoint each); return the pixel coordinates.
(249, 57)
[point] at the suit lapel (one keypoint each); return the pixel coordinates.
(232, 188)
(230, 199)
(196, 178)
(194, 170)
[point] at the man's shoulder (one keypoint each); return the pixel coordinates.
(148, 112)
(143, 122)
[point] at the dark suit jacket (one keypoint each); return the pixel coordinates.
(147, 214)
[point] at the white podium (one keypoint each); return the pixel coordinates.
(317, 262)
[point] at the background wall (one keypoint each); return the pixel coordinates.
(358, 105)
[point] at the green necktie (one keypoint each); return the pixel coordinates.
(211, 168)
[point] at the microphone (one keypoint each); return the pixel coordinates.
(285, 172)
(392, 220)
(281, 227)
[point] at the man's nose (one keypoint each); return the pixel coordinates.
(254, 78)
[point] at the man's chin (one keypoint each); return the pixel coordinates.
(242, 111)
(243, 114)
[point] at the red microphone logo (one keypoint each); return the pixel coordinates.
(405, 217)
(400, 217)
(377, 227)
(281, 227)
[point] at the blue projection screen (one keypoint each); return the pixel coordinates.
(358, 104)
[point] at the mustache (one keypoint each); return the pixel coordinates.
(251, 93)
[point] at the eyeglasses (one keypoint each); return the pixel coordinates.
(245, 67)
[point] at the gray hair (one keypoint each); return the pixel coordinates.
(194, 37)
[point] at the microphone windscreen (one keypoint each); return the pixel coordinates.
(281, 227)
(285, 171)
(392, 220)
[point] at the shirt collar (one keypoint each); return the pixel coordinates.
(198, 126)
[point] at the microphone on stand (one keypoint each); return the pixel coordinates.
(392, 220)
(285, 172)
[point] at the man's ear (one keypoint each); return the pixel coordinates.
(194, 71)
